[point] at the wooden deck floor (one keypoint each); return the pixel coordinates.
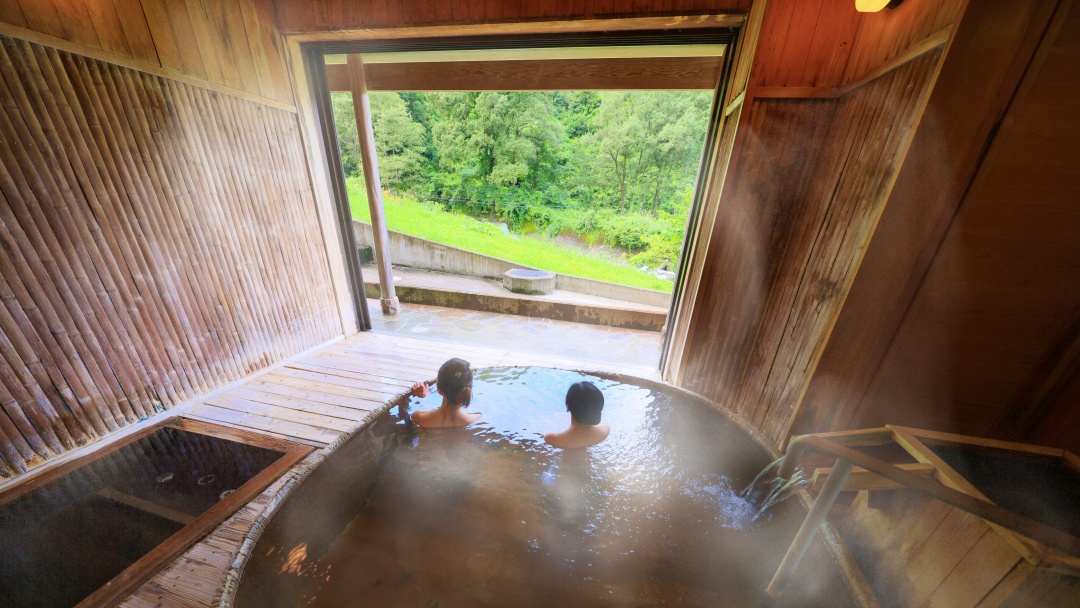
(315, 399)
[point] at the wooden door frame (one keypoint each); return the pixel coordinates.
(716, 160)
(307, 50)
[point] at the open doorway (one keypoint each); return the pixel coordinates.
(577, 156)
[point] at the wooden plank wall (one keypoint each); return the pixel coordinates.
(233, 43)
(818, 172)
(966, 314)
(159, 240)
(295, 16)
(814, 166)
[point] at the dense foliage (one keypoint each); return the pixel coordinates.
(611, 167)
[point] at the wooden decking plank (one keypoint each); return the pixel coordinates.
(353, 402)
(432, 355)
(262, 423)
(305, 405)
(198, 417)
(391, 376)
(446, 349)
(247, 406)
(381, 341)
(344, 381)
(396, 370)
(330, 387)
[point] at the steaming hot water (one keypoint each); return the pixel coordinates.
(490, 515)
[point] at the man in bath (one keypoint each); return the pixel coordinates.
(584, 402)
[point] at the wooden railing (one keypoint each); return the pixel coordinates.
(962, 495)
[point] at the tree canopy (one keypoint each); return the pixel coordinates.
(617, 167)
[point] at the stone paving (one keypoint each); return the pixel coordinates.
(611, 345)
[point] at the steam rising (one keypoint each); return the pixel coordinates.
(491, 515)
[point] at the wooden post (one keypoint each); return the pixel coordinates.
(358, 85)
(809, 528)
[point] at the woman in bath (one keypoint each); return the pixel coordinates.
(454, 383)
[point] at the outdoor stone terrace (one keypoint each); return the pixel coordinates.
(325, 395)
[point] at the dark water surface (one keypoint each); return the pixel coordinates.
(62, 541)
(1045, 492)
(492, 516)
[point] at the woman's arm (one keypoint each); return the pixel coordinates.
(420, 389)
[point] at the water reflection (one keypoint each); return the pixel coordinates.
(492, 515)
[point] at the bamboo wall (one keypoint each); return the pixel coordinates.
(234, 43)
(966, 314)
(159, 240)
(303, 16)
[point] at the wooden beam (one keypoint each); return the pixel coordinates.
(636, 74)
(93, 52)
(362, 108)
(940, 438)
(861, 479)
(537, 54)
(796, 92)
(566, 26)
(950, 478)
(735, 104)
(1072, 462)
(146, 506)
(860, 437)
(914, 51)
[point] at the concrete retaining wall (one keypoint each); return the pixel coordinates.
(531, 307)
(415, 252)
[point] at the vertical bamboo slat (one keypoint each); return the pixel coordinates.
(159, 240)
(70, 235)
(110, 265)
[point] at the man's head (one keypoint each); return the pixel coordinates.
(585, 402)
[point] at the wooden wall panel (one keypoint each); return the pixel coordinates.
(233, 43)
(993, 45)
(295, 16)
(1004, 284)
(965, 315)
(159, 241)
(815, 176)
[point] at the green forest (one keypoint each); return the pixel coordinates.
(615, 169)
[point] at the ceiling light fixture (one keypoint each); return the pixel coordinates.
(873, 6)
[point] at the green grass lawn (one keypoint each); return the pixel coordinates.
(458, 230)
